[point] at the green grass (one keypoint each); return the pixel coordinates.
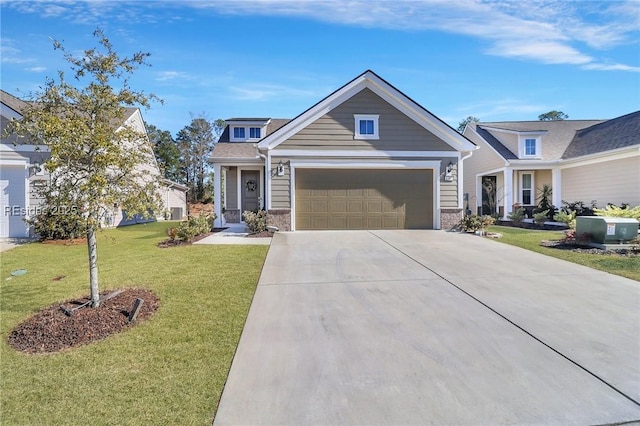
(168, 370)
(530, 239)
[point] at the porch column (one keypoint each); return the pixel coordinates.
(556, 187)
(508, 192)
(217, 199)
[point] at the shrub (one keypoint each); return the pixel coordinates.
(517, 215)
(192, 227)
(52, 224)
(567, 218)
(475, 223)
(541, 217)
(256, 221)
(615, 211)
(544, 203)
(578, 207)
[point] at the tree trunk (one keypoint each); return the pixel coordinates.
(93, 266)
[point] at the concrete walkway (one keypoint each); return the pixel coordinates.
(429, 327)
(236, 233)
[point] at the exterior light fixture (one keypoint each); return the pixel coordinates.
(280, 169)
(448, 172)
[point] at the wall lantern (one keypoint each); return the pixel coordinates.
(35, 169)
(280, 169)
(448, 172)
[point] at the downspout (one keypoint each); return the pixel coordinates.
(461, 184)
(266, 180)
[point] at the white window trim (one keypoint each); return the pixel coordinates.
(247, 132)
(522, 147)
(376, 128)
(521, 188)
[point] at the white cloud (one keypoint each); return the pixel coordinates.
(546, 31)
(542, 31)
(36, 69)
(171, 75)
(502, 107)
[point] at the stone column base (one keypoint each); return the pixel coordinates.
(280, 218)
(449, 218)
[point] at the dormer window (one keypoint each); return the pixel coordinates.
(238, 133)
(530, 147)
(247, 130)
(366, 126)
(254, 132)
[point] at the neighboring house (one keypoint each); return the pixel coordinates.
(365, 157)
(581, 160)
(21, 171)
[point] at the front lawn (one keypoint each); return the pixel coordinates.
(170, 369)
(530, 239)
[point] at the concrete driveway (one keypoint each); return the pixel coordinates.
(430, 327)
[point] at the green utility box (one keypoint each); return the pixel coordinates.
(606, 230)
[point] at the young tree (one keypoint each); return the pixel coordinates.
(463, 123)
(95, 157)
(166, 151)
(196, 142)
(553, 116)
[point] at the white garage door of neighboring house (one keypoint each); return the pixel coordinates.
(13, 201)
(363, 199)
(4, 205)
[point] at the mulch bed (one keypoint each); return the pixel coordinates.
(263, 234)
(51, 330)
(580, 248)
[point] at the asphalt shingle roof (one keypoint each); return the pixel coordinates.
(557, 137)
(227, 149)
(613, 134)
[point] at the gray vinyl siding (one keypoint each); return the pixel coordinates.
(280, 185)
(448, 190)
(231, 188)
(616, 182)
(335, 130)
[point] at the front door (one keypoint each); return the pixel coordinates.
(489, 194)
(250, 190)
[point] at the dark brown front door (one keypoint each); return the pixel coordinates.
(250, 190)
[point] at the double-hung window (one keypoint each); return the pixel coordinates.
(530, 147)
(238, 133)
(366, 126)
(254, 132)
(527, 197)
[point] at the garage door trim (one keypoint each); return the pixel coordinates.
(348, 164)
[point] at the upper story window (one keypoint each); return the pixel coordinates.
(530, 147)
(247, 133)
(366, 126)
(254, 132)
(238, 133)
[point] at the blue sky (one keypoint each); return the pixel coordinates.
(496, 60)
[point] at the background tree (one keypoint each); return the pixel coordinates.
(196, 142)
(166, 151)
(553, 116)
(95, 157)
(463, 123)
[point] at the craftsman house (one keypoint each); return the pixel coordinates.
(365, 157)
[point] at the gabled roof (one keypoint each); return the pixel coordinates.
(386, 91)
(495, 144)
(620, 132)
(12, 102)
(556, 135)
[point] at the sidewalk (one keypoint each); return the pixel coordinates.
(236, 233)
